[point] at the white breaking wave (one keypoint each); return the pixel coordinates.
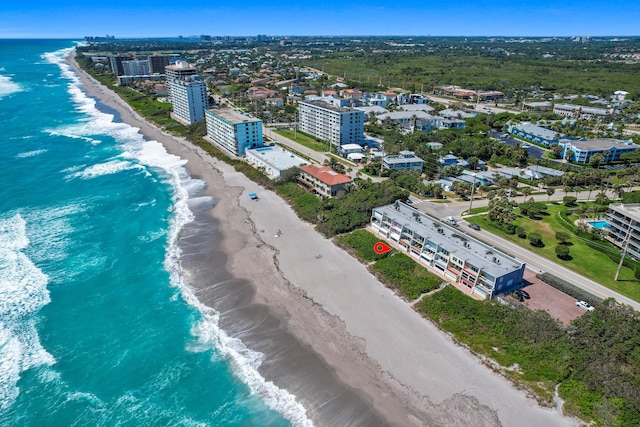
(108, 168)
(153, 155)
(30, 153)
(23, 292)
(8, 86)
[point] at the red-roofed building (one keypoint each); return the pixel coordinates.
(323, 180)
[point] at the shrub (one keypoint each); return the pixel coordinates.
(520, 231)
(409, 277)
(536, 240)
(569, 200)
(562, 252)
(362, 242)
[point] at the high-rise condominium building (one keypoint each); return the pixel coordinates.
(337, 125)
(234, 131)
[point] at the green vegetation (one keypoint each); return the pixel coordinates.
(394, 269)
(596, 360)
(362, 243)
(406, 275)
(303, 139)
(595, 259)
(412, 70)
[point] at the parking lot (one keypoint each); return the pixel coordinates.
(544, 297)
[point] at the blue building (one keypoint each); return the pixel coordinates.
(405, 160)
(535, 133)
(610, 148)
(234, 131)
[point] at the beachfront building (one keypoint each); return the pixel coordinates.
(234, 131)
(456, 256)
(135, 67)
(337, 125)
(273, 160)
(189, 100)
(323, 180)
(177, 72)
(115, 62)
(624, 227)
(157, 63)
(535, 133)
(404, 160)
(610, 148)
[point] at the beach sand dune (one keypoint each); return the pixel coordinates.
(352, 352)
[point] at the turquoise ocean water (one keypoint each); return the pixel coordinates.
(96, 326)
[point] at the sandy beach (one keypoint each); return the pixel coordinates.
(352, 352)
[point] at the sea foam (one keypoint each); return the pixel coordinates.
(23, 292)
(8, 86)
(152, 154)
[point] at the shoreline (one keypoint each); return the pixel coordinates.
(361, 346)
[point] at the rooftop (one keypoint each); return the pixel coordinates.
(326, 174)
(277, 157)
(327, 106)
(537, 130)
(631, 210)
(602, 144)
(233, 116)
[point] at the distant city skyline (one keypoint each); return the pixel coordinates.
(76, 19)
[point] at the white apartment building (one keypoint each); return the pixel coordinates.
(338, 125)
(234, 131)
(178, 71)
(189, 101)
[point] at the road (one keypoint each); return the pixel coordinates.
(534, 261)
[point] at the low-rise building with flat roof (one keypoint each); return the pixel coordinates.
(535, 133)
(404, 160)
(234, 131)
(610, 148)
(273, 160)
(457, 256)
(323, 180)
(582, 112)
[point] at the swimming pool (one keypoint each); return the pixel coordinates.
(599, 224)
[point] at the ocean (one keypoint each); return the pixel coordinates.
(98, 325)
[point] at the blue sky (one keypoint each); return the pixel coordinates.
(163, 18)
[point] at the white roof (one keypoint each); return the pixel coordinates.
(351, 147)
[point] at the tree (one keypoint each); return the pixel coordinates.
(550, 192)
(500, 210)
(556, 150)
(568, 155)
(473, 162)
(596, 160)
(526, 192)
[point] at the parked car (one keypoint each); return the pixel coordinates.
(524, 294)
(474, 226)
(585, 305)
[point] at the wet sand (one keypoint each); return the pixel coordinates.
(352, 352)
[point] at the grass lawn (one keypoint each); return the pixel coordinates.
(303, 139)
(587, 261)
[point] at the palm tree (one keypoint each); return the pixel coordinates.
(526, 192)
(550, 192)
